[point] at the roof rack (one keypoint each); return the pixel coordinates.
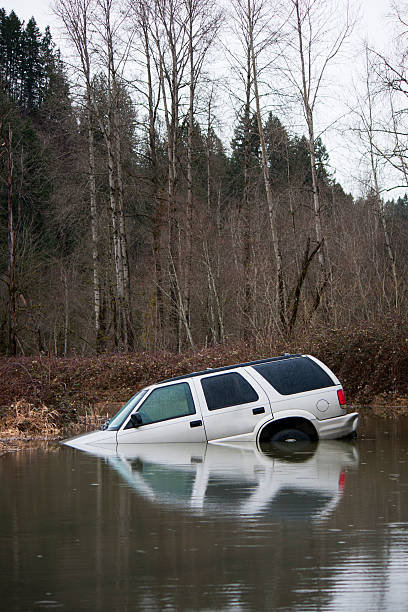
(230, 367)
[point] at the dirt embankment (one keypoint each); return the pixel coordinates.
(43, 396)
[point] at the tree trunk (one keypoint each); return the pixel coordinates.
(112, 140)
(12, 235)
(155, 180)
(171, 119)
(246, 217)
(127, 317)
(311, 140)
(378, 203)
(94, 223)
(280, 285)
(189, 208)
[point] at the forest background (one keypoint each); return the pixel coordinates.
(127, 224)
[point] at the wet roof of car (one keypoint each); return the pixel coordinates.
(230, 367)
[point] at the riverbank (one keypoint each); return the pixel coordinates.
(45, 396)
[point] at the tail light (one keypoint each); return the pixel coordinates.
(341, 396)
(342, 480)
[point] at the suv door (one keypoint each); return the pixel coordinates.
(168, 414)
(231, 403)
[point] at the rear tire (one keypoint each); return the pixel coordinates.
(290, 435)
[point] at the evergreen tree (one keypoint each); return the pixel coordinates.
(398, 209)
(322, 161)
(11, 49)
(278, 149)
(30, 67)
(299, 162)
(236, 170)
(29, 63)
(32, 186)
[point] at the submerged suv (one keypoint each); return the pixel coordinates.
(282, 399)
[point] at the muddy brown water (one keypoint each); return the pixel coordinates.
(196, 527)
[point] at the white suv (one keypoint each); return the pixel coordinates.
(282, 399)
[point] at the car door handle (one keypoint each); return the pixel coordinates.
(258, 410)
(196, 423)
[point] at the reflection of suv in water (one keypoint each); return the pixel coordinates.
(237, 479)
(288, 398)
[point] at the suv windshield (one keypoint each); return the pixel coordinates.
(124, 412)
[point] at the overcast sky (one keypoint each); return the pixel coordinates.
(373, 22)
(373, 26)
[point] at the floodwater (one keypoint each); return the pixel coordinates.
(196, 527)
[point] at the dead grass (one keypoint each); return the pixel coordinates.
(25, 422)
(25, 418)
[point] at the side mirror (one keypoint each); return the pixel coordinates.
(136, 419)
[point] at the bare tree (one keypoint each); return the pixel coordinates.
(77, 16)
(390, 75)
(170, 36)
(202, 23)
(243, 68)
(315, 40)
(255, 20)
(216, 316)
(253, 15)
(95, 28)
(178, 38)
(369, 112)
(6, 139)
(113, 55)
(149, 91)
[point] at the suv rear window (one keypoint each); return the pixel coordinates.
(294, 375)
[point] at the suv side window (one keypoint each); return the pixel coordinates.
(226, 390)
(166, 403)
(294, 375)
